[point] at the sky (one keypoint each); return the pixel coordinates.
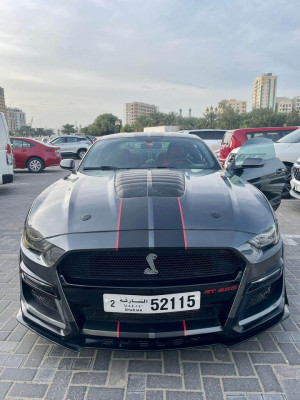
(67, 61)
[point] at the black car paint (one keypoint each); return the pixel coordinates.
(153, 222)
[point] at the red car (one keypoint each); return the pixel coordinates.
(238, 137)
(34, 155)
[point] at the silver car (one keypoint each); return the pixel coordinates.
(295, 182)
(72, 145)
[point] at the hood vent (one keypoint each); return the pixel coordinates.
(152, 183)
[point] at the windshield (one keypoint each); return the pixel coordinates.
(293, 137)
(145, 152)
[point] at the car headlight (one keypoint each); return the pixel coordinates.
(33, 240)
(268, 237)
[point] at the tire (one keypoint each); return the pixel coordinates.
(81, 153)
(287, 185)
(35, 165)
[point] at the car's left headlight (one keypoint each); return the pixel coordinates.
(267, 238)
(34, 240)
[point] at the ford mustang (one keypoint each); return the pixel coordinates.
(148, 244)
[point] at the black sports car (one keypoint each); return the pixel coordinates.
(149, 245)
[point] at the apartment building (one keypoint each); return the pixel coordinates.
(135, 109)
(264, 91)
(239, 106)
(283, 105)
(296, 103)
(2, 101)
(15, 118)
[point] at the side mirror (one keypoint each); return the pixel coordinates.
(67, 164)
(249, 162)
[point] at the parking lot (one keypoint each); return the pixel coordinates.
(266, 367)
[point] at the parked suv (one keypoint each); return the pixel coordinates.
(6, 157)
(295, 182)
(212, 137)
(236, 138)
(72, 145)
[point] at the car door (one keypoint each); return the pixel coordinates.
(72, 144)
(21, 152)
(61, 143)
(256, 162)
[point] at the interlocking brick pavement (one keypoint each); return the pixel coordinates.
(266, 367)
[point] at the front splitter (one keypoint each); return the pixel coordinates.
(77, 343)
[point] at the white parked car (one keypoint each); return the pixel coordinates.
(71, 145)
(287, 150)
(295, 182)
(212, 137)
(6, 156)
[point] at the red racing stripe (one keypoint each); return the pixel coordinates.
(119, 222)
(182, 221)
(118, 329)
(184, 327)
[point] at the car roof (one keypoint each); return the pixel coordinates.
(204, 130)
(264, 129)
(149, 135)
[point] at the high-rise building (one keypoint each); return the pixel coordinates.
(135, 109)
(15, 118)
(296, 103)
(2, 101)
(283, 105)
(239, 106)
(264, 91)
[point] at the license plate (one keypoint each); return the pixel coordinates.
(122, 303)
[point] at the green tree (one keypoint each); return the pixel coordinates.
(262, 117)
(127, 128)
(25, 131)
(293, 118)
(211, 119)
(67, 129)
(104, 124)
(228, 118)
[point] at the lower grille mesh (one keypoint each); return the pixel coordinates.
(44, 299)
(91, 313)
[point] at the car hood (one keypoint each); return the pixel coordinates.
(156, 199)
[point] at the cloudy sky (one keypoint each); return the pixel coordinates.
(63, 61)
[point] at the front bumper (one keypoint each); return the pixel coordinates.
(257, 302)
(295, 188)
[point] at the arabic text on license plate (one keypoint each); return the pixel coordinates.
(151, 304)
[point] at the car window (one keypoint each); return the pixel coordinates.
(145, 152)
(227, 138)
(71, 139)
(58, 140)
(255, 148)
(293, 137)
(209, 135)
(19, 144)
(273, 135)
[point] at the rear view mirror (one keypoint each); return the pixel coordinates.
(68, 164)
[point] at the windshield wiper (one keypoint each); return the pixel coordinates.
(166, 166)
(100, 168)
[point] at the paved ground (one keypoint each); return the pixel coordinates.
(265, 368)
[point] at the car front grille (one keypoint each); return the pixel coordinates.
(129, 266)
(297, 173)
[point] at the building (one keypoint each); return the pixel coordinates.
(135, 109)
(239, 106)
(2, 101)
(283, 105)
(15, 118)
(264, 91)
(296, 103)
(163, 128)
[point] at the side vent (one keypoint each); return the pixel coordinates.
(153, 183)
